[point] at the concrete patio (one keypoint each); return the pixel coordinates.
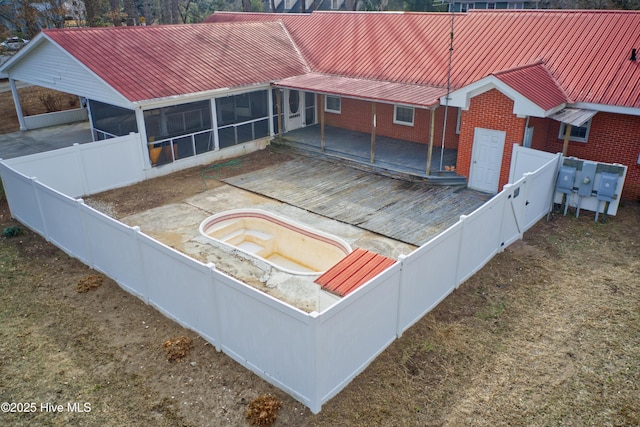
(23, 143)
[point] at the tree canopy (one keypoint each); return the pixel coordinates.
(25, 18)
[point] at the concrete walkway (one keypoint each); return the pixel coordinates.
(39, 140)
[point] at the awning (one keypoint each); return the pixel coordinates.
(573, 116)
(373, 90)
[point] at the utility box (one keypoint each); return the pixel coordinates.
(566, 178)
(587, 179)
(607, 186)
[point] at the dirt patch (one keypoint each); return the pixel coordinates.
(263, 410)
(180, 185)
(34, 100)
(89, 283)
(545, 334)
(177, 348)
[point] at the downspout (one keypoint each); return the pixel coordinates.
(16, 102)
(432, 125)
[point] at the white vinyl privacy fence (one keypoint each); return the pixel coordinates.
(311, 356)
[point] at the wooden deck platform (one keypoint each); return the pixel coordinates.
(411, 212)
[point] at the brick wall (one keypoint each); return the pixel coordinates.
(613, 138)
(356, 115)
(489, 110)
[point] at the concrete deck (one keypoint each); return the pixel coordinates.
(22, 143)
(392, 155)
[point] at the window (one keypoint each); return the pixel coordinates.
(332, 104)
(465, 7)
(458, 120)
(403, 115)
(335, 4)
(578, 133)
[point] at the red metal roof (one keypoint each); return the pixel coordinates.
(536, 84)
(400, 93)
(153, 62)
(353, 271)
(586, 51)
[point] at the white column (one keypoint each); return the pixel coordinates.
(214, 124)
(142, 131)
(16, 102)
(270, 109)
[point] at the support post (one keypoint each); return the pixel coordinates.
(567, 134)
(322, 122)
(16, 102)
(279, 110)
(373, 132)
(432, 123)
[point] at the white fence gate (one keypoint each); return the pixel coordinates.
(311, 356)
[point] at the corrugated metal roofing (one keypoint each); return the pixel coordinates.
(353, 271)
(536, 84)
(573, 116)
(586, 51)
(154, 62)
(400, 93)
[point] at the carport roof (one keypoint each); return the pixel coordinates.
(155, 62)
(375, 90)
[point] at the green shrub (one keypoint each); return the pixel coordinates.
(12, 231)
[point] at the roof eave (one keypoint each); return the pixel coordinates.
(522, 106)
(146, 104)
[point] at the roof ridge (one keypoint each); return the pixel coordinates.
(520, 67)
(541, 64)
(295, 46)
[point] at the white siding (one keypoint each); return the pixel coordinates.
(47, 65)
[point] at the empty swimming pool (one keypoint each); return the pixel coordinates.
(286, 245)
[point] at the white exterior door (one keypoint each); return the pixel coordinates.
(294, 107)
(486, 159)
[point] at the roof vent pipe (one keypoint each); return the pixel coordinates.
(633, 54)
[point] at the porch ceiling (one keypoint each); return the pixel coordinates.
(374, 90)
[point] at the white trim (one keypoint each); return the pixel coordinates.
(126, 102)
(616, 109)
(327, 109)
(522, 106)
(402, 122)
(199, 96)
